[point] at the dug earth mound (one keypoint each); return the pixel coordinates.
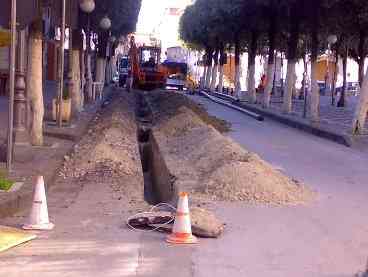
(108, 155)
(212, 167)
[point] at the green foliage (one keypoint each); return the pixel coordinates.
(5, 184)
(291, 26)
(123, 14)
(66, 94)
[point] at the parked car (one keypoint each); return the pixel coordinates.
(322, 87)
(351, 88)
(176, 80)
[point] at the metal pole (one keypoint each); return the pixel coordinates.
(9, 159)
(327, 85)
(61, 69)
(274, 74)
(305, 85)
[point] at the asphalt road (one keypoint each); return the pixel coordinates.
(326, 238)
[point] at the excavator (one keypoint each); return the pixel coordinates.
(146, 69)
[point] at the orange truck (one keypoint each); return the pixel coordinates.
(146, 69)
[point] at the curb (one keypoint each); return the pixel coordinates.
(331, 135)
(22, 199)
(343, 139)
(253, 114)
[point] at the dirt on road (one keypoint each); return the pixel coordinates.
(109, 153)
(216, 167)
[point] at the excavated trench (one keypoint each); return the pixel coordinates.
(158, 183)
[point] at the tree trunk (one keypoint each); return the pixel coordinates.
(252, 68)
(362, 55)
(215, 70)
(82, 75)
(237, 70)
(334, 78)
(76, 93)
(209, 68)
(271, 60)
(302, 94)
(34, 82)
(292, 58)
(208, 77)
(221, 70)
(361, 109)
(100, 73)
(290, 86)
(361, 72)
(74, 64)
(101, 61)
(88, 69)
(314, 95)
(89, 77)
(341, 102)
(203, 78)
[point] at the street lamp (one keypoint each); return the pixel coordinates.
(111, 58)
(105, 23)
(88, 6)
(331, 39)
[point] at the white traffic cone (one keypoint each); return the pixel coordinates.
(39, 217)
(182, 230)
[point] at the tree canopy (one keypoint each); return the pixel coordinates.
(123, 14)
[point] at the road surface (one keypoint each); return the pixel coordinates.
(328, 238)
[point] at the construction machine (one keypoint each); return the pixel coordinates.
(146, 70)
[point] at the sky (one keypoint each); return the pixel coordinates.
(151, 15)
(153, 18)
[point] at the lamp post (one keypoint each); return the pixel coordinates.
(305, 79)
(61, 68)
(105, 23)
(13, 30)
(88, 6)
(103, 46)
(331, 39)
(112, 58)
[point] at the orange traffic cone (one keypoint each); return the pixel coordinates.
(182, 230)
(39, 217)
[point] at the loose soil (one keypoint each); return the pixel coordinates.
(216, 167)
(109, 154)
(171, 102)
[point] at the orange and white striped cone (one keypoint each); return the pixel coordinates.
(182, 230)
(39, 216)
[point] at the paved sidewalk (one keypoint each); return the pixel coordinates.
(31, 161)
(48, 95)
(335, 123)
(340, 118)
(3, 117)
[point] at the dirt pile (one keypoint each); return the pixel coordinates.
(215, 167)
(171, 102)
(108, 154)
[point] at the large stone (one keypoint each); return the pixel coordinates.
(205, 223)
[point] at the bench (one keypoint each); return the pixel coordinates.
(97, 90)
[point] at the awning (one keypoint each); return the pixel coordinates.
(26, 12)
(71, 13)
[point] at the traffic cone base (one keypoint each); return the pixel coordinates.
(182, 229)
(40, 227)
(182, 239)
(39, 216)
